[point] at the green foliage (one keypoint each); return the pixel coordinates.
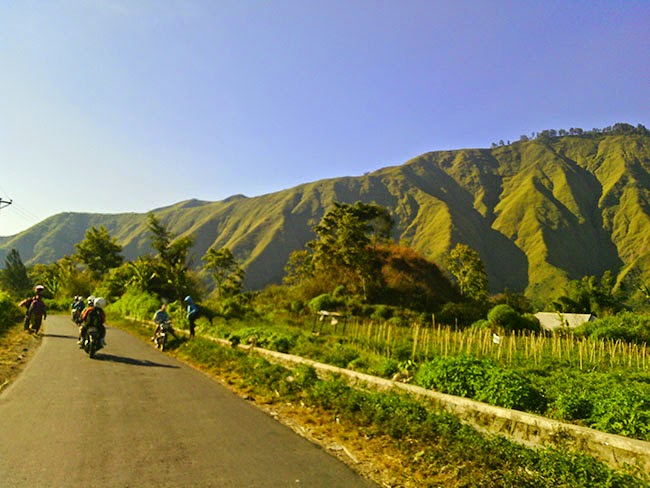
(504, 316)
(324, 302)
(481, 380)
(624, 411)
(626, 326)
(507, 318)
(274, 338)
(227, 274)
(461, 314)
(466, 266)
(136, 304)
(99, 251)
(344, 235)
(14, 276)
(10, 312)
(591, 295)
(341, 355)
(172, 268)
(510, 389)
(460, 375)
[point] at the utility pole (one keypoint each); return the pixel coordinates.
(5, 203)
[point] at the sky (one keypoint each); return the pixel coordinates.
(111, 106)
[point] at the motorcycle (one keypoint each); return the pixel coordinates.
(76, 316)
(92, 342)
(160, 338)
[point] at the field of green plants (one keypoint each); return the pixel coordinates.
(595, 382)
(434, 440)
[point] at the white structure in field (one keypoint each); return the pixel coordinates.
(559, 320)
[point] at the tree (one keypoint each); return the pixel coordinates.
(173, 256)
(345, 234)
(466, 266)
(99, 251)
(14, 276)
(224, 269)
(591, 295)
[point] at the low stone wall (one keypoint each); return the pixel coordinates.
(532, 430)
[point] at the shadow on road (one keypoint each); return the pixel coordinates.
(132, 361)
(61, 336)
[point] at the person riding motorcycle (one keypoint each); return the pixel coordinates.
(160, 318)
(96, 304)
(77, 309)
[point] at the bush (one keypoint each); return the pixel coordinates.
(507, 318)
(341, 355)
(480, 380)
(623, 411)
(509, 389)
(626, 326)
(458, 375)
(10, 312)
(381, 312)
(136, 304)
(324, 302)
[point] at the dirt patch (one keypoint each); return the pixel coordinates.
(16, 348)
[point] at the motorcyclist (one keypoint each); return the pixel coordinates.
(77, 308)
(160, 318)
(97, 304)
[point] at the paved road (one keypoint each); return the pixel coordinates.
(135, 417)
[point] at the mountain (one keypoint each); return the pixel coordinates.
(539, 212)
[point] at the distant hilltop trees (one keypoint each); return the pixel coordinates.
(616, 129)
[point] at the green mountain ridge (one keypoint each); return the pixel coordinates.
(538, 212)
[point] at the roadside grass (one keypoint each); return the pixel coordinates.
(427, 446)
(16, 348)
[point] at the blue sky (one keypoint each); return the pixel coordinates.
(118, 105)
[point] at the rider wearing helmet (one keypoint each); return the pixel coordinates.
(96, 304)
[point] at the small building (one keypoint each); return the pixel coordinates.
(558, 320)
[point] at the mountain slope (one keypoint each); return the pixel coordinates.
(539, 213)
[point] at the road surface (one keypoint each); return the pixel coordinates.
(135, 417)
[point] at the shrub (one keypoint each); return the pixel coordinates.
(324, 302)
(341, 355)
(458, 375)
(10, 312)
(623, 411)
(381, 312)
(627, 326)
(509, 389)
(504, 316)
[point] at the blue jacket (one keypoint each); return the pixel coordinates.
(191, 307)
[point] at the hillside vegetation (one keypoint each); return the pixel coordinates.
(539, 213)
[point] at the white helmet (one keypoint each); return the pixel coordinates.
(100, 302)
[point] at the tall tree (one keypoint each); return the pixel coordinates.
(465, 264)
(224, 269)
(173, 255)
(14, 276)
(345, 234)
(99, 251)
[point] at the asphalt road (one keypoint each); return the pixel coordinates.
(134, 417)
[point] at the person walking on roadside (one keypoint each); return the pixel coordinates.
(37, 310)
(25, 304)
(192, 314)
